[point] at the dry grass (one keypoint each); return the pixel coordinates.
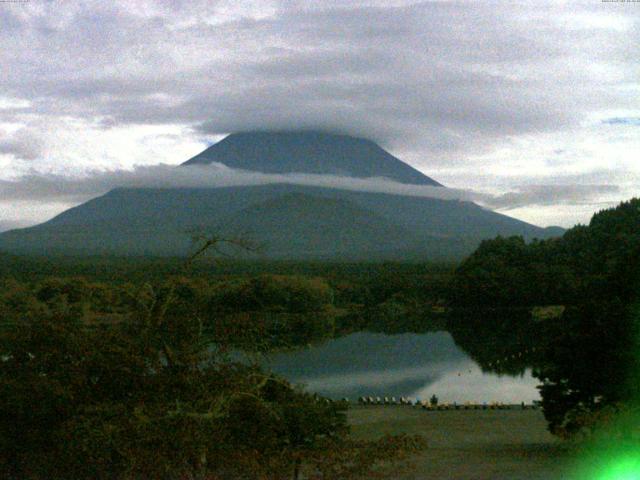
(482, 444)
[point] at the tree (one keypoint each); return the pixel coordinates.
(144, 395)
(586, 358)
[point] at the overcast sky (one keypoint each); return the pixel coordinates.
(534, 106)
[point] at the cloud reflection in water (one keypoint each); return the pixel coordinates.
(414, 365)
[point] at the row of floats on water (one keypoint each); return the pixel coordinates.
(514, 356)
(428, 405)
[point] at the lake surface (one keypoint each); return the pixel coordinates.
(410, 365)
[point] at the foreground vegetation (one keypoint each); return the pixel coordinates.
(125, 369)
(123, 382)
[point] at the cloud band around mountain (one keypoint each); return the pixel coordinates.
(39, 187)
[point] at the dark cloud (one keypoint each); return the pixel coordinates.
(443, 78)
(25, 144)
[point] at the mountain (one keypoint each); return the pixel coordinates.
(287, 221)
(309, 152)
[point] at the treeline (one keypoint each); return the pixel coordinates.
(601, 259)
(263, 311)
(587, 353)
(117, 269)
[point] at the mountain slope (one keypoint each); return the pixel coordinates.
(158, 222)
(311, 226)
(309, 152)
(290, 221)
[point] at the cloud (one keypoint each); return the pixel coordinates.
(375, 378)
(13, 104)
(60, 188)
(64, 189)
(457, 89)
(622, 121)
(10, 225)
(25, 144)
(544, 195)
(444, 78)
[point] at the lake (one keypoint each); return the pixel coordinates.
(410, 365)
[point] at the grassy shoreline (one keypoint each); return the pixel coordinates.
(470, 444)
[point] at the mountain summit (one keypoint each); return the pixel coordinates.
(309, 152)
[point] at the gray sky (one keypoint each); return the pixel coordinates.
(533, 107)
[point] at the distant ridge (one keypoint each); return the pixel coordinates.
(309, 152)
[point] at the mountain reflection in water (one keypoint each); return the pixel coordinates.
(413, 365)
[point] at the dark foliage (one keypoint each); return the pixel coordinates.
(132, 381)
(587, 357)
